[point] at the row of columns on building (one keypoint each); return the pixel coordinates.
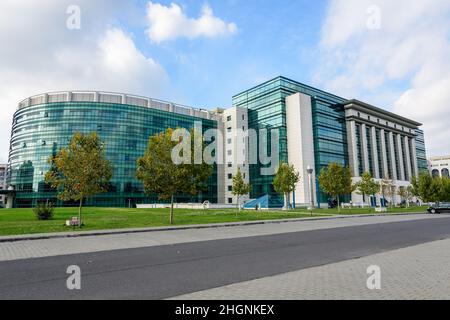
(403, 148)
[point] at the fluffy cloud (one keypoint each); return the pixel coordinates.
(393, 53)
(43, 55)
(170, 22)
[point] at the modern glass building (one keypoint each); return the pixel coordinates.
(422, 161)
(318, 128)
(266, 104)
(315, 128)
(43, 124)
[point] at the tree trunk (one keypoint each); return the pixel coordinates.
(285, 202)
(369, 204)
(289, 201)
(171, 210)
(339, 205)
(79, 212)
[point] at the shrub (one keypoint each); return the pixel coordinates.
(44, 211)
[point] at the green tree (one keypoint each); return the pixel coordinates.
(387, 189)
(285, 181)
(443, 189)
(406, 193)
(402, 193)
(162, 176)
(425, 187)
(367, 186)
(81, 170)
(336, 181)
(240, 187)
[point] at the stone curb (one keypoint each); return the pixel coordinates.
(62, 235)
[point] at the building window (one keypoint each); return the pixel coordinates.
(229, 141)
(445, 173)
(229, 118)
(243, 117)
(230, 188)
(230, 176)
(230, 200)
(230, 152)
(229, 130)
(230, 165)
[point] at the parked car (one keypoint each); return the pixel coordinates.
(439, 208)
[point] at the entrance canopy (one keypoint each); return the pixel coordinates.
(265, 202)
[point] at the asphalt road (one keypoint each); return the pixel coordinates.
(168, 271)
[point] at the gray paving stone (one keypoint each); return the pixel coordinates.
(414, 273)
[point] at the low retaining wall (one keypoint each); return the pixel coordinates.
(193, 206)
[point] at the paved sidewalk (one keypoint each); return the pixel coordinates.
(65, 246)
(418, 272)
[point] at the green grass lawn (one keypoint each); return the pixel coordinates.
(23, 221)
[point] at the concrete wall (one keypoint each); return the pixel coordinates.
(235, 150)
(301, 143)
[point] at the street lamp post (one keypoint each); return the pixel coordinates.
(310, 171)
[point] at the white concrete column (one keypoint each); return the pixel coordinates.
(393, 156)
(300, 144)
(385, 172)
(364, 149)
(9, 201)
(401, 175)
(408, 157)
(353, 148)
(376, 165)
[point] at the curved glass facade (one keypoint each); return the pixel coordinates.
(40, 130)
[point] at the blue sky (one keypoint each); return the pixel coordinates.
(207, 72)
(390, 53)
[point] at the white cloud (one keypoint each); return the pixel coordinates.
(403, 64)
(43, 55)
(170, 22)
